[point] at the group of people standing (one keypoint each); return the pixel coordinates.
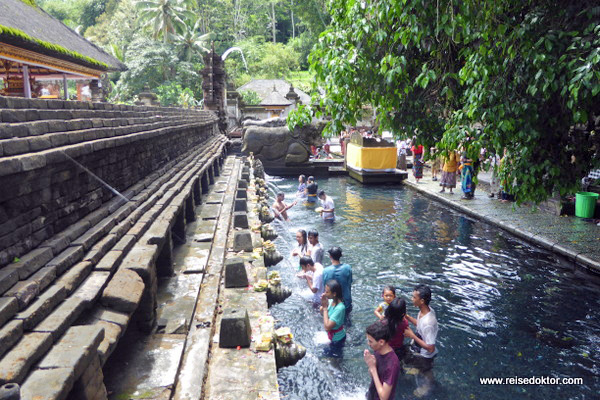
(332, 294)
(308, 189)
(454, 166)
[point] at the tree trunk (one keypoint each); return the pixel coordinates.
(293, 25)
(273, 22)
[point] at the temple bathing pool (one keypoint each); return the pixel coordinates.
(504, 308)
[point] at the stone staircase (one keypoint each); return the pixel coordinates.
(79, 264)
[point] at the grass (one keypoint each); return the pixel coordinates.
(5, 30)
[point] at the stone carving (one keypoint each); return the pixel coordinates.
(278, 146)
(268, 123)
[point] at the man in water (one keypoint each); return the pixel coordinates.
(384, 366)
(423, 349)
(280, 208)
(341, 273)
(311, 190)
(327, 213)
(315, 249)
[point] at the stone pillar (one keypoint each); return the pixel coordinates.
(214, 87)
(164, 262)
(90, 386)
(190, 206)
(96, 90)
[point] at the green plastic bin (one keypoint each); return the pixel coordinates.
(585, 204)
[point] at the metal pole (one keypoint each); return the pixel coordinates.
(66, 88)
(26, 85)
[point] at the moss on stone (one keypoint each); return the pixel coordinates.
(30, 3)
(17, 33)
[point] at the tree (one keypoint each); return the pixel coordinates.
(191, 42)
(529, 72)
(164, 17)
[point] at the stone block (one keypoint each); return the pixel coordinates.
(112, 334)
(58, 243)
(16, 146)
(24, 292)
(75, 349)
(235, 273)
(67, 258)
(89, 238)
(92, 287)
(62, 317)
(242, 184)
(9, 335)
(74, 276)
(240, 205)
(8, 308)
(240, 220)
(241, 194)
(104, 314)
(125, 244)
(48, 384)
(142, 260)
(16, 363)
(44, 277)
(42, 307)
(32, 261)
(235, 328)
(110, 261)
(8, 277)
(124, 291)
(245, 176)
(242, 241)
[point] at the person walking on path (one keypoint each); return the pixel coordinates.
(418, 151)
(467, 175)
(449, 172)
(342, 273)
(435, 164)
(384, 366)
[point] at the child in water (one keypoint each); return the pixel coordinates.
(388, 294)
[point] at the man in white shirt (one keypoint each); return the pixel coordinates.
(423, 349)
(328, 211)
(313, 273)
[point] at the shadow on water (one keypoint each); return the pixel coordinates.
(504, 307)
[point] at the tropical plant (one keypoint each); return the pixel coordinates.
(191, 42)
(250, 97)
(164, 17)
(527, 71)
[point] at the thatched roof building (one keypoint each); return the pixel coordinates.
(35, 46)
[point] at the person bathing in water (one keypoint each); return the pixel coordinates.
(280, 208)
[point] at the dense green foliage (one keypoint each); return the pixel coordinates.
(163, 41)
(527, 71)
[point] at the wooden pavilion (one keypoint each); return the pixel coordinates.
(36, 50)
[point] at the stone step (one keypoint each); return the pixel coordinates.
(15, 364)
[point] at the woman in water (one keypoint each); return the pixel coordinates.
(302, 248)
(394, 317)
(301, 186)
(334, 317)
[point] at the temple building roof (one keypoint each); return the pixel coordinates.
(275, 99)
(264, 88)
(29, 35)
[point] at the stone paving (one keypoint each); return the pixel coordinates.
(574, 238)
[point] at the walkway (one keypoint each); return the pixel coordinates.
(571, 237)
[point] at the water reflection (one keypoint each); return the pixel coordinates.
(504, 308)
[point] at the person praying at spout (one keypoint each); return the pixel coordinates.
(280, 208)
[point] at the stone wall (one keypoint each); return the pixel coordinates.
(79, 263)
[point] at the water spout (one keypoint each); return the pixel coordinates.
(231, 49)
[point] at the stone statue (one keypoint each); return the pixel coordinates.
(278, 146)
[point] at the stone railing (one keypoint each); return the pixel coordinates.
(93, 196)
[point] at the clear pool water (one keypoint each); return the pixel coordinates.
(504, 308)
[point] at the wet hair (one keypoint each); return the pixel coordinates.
(424, 293)
(389, 288)
(279, 194)
(321, 193)
(394, 314)
(335, 253)
(313, 232)
(378, 331)
(306, 260)
(304, 238)
(302, 178)
(336, 289)
(311, 178)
